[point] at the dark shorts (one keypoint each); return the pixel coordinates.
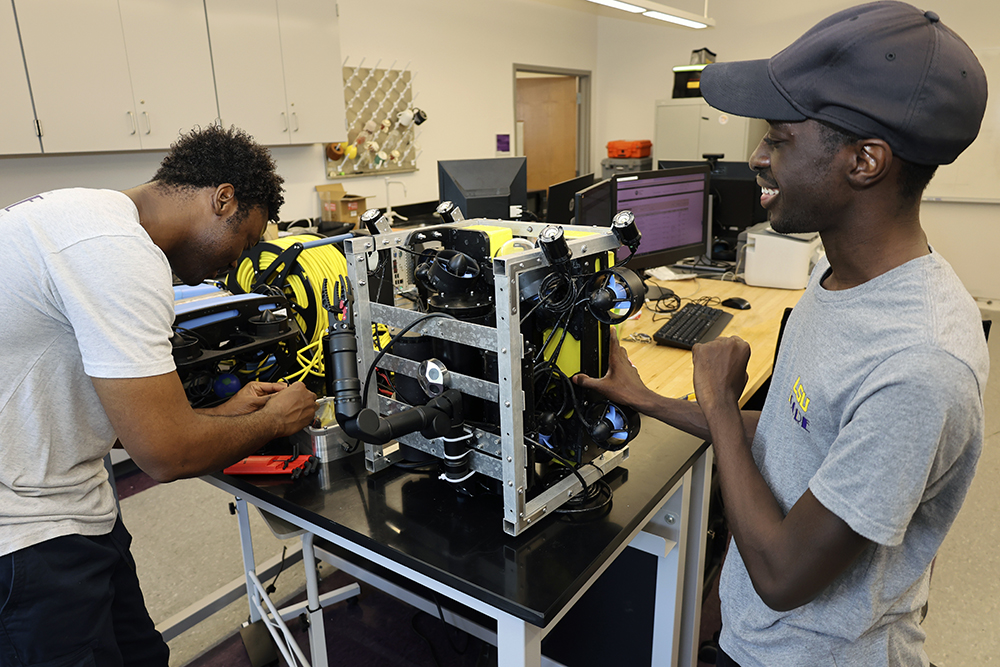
(74, 601)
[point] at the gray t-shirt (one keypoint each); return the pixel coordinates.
(86, 294)
(876, 406)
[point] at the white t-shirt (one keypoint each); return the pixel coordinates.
(86, 293)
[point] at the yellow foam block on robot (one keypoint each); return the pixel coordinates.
(497, 235)
(569, 354)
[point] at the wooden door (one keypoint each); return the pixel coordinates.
(547, 107)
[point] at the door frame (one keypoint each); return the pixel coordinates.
(583, 78)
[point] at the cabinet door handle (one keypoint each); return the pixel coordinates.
(149, 126)
(131, 119)
(295, 117)
(284, 121)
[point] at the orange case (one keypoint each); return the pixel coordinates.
(629, 149)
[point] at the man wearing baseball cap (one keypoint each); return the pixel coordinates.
(839, 493)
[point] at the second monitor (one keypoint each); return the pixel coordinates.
(562, 199)
(735, 196)
(671, 211)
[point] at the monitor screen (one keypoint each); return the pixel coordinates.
(485, 188)
(562, 199)
(671, 211)
(735, 196)
(592, 205)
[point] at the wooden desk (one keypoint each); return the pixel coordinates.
(668, 370)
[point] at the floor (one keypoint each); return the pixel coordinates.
(186, 545)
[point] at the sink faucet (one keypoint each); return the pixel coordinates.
(389, 213)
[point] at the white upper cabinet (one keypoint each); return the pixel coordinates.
(17, 119)
(120, 75)
(75, 53)
(171, 68)
(277, 68)
(246, 52)
(314, 83)
(107, 79)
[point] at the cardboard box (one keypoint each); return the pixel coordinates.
(338, 206)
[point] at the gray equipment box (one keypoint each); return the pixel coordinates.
(611, 165)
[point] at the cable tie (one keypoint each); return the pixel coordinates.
(445, 477)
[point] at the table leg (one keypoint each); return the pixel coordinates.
(317, 635)
(694, 572)
(246, 545)
(665, 537)
(519, 643)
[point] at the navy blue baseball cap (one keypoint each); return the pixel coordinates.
(884, 69)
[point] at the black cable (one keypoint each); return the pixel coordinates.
(665, 305)
(625, 261)
(707, 301)
(430, 646)
(460, 651)
(566, 316)
(382, 353)
(674, 302)
(601, 488)
(411, 251)
(543, 297)
(569, 466)
(281, 568)
(553, 282)
(380, 267)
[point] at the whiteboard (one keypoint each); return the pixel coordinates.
(975, 175)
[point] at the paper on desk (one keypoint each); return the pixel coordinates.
(666, 273)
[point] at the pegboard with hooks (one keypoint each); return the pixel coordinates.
(382, 122)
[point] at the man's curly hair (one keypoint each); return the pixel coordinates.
(207, 157)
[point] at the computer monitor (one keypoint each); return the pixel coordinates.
(562, 199)
(485, 188)
(671, 211)
(735, 195)
(592, 205)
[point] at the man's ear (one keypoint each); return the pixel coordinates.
(224, 200)
(872, 161)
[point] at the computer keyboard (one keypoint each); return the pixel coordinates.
(692, 324)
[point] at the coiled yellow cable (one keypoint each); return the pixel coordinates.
(304, 287)
(304, 284)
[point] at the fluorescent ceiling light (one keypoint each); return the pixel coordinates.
(615, 4)
(680, 18)
(655, 10)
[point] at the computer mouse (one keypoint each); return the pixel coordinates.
(739, 303)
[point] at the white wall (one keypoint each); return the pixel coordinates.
(463, 52)
(633, 77)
